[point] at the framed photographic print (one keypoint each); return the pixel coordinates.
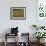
(41, 12)
(18, 13)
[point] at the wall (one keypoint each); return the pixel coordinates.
(24, 25)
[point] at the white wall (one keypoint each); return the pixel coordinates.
(24, 25)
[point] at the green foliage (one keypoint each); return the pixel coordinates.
(39, 35)
(35, 27)
(40, 27)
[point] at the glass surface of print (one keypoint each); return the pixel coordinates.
(41, 8)
(18, 12)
